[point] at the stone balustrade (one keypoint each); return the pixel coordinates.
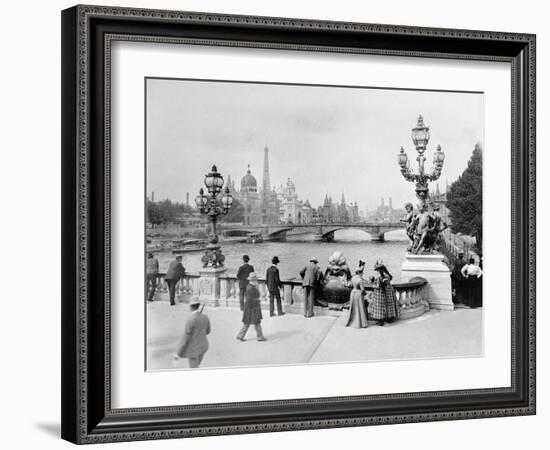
(411, 295)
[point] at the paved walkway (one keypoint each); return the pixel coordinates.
(293, 339)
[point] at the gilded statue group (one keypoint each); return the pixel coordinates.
(423, 227)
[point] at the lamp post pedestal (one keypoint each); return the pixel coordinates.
(435, 271)
(210, 286)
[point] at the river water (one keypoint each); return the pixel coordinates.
(297, 250)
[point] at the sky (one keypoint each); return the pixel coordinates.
(328, 140)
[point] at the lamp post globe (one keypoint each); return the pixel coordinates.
(201, 200)
(439, 156)
(213, 181)
(402, 158)
(420, 135)
(227, 200)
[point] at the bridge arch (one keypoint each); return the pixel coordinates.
(236, 233)
(279, 232)
(376, 234)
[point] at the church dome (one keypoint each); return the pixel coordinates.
(249, 183)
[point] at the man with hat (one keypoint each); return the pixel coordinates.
(274, 285)
(152, 273)
(194, 342)
(175, 272)
(311, 277)
(242, 275)
(252, 313)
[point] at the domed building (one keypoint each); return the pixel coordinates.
(249, 183)
(261, 206)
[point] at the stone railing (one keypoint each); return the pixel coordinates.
(188, 285)
(452, 246)
(412, 296)
(291, 291)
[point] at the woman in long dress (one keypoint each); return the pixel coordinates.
(357, 314)
(472, 274)
(384, 303)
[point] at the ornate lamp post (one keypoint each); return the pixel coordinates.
(212, 206)
(423, 228)
(420, 138)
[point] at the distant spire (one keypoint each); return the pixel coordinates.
(382, 203)
(391, 207)
(228, 184)
(437, 193)
(343, 199)
(265, 182)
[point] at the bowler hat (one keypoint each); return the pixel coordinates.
(275, 260)
(246, 258)
(194, 301)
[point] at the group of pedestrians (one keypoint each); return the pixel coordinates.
(383, 306)
(249, 296)
(194, 342)
(175, 272)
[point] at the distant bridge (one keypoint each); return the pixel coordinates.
(321, 231)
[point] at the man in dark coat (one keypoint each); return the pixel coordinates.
(274, 286)
(175, 272)
(242, 275)
(311, 277)
(152, 273)
(252, 314)
(194, 342)
(457, 280)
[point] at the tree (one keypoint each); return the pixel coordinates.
(166, 211)
(464, 200)
(155, 214)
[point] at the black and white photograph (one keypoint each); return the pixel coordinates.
(291, 224)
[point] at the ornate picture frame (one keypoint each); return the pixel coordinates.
(87, 35)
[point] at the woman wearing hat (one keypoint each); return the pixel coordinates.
(252, 314)
(384, 303)
(357, 314)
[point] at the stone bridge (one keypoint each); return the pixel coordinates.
(321, 231)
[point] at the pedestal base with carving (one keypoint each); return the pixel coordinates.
(432, 268)
(209, 285)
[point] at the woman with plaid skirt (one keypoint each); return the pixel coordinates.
(384, 303)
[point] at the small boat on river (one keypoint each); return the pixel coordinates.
(188, 246)
(254, 238)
